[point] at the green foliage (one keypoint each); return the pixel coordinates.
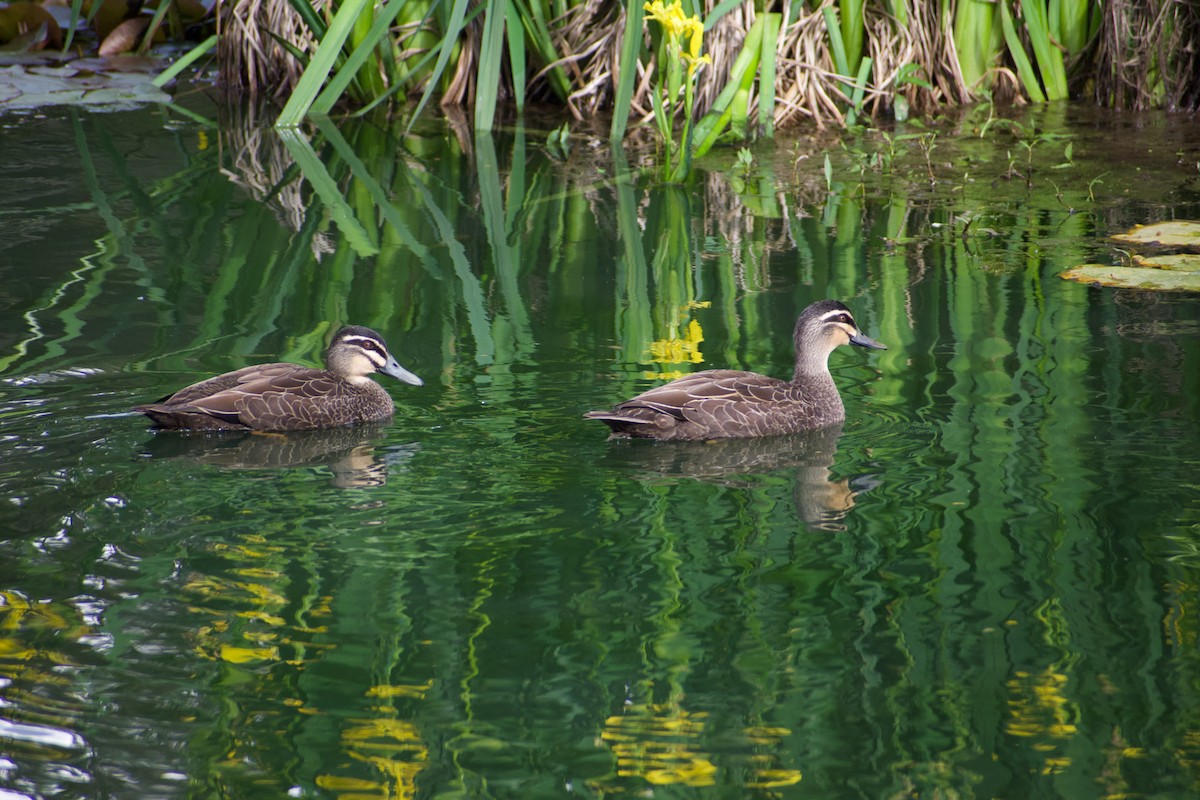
(517, 47)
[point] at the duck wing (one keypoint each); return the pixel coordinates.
(220, 383)
(712, 403)
(275, 398)
(261, 397)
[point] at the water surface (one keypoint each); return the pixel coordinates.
(983, 585)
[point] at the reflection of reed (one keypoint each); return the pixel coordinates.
(256, 159)
(349, 453)
(820, 500)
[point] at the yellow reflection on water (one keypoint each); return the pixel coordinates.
(391, 746)
(661, 743)
(1038, 709)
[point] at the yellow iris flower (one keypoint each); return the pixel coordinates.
(678, 26)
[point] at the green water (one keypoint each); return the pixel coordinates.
(985, 585)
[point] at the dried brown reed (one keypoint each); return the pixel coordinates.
(250, 61)
(1144, 56)
(1147, 55)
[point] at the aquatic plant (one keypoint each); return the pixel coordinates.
(675, 73)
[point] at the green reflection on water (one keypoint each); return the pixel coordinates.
(983, 586)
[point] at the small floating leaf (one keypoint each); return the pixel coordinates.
(1172, 233)
(1159, 280)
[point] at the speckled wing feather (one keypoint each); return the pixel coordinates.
(220, 383)
(276, 398)
(722, 404)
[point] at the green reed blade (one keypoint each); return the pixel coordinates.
(516, 56)
(631, 46)
(836, 45)
(852, 32)
(718, 11)
(453, 29)
(318, 69)
(1049, 57)
(860, 88)
(188, 59)
(76, 11)
(532, 17)
(976, 40)
(293, 51)
(1015, 49)
(308, 14)
(741, 76)
(350, 67)
(152, 28)
(487, 83)
(766, 74)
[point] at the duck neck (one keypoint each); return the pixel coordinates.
(811, 366)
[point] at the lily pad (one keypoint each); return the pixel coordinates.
(1183, 262)
(1158, 280)
(1176, 233)
(25, 85)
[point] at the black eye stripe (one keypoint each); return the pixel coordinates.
(365, 344)
(841, 319)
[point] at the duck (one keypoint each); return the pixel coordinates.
(290, 397)
(733, 404)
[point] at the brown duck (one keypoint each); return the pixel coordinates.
(725, 403)
(289, 397)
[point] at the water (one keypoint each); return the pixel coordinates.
(983, 586)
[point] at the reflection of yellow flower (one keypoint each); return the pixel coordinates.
(676, 350)
(661, 744)
(1039, 709)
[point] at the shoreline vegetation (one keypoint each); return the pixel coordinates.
(825, 62)
(828, 63)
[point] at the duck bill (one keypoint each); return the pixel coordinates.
(393, 368)
(862, 340)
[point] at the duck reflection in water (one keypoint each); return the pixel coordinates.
(353, 455)
(821, 500)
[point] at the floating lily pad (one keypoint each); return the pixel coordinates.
(1178, 233)
(1158, 280)
(1183, 262)
(115, 84)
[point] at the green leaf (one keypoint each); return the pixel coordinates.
(631, 46)
(1029, 78)
(1157, 280)
(766, 74)
(710, 127)
(314, 75)
(487, 82)
(453, 29)
(186, 61)
(516, 56)
(346, 73)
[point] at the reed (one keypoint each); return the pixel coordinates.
(831, 62)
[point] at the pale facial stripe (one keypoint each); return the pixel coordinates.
(374, 353)
(832, 318)
(829, 316)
